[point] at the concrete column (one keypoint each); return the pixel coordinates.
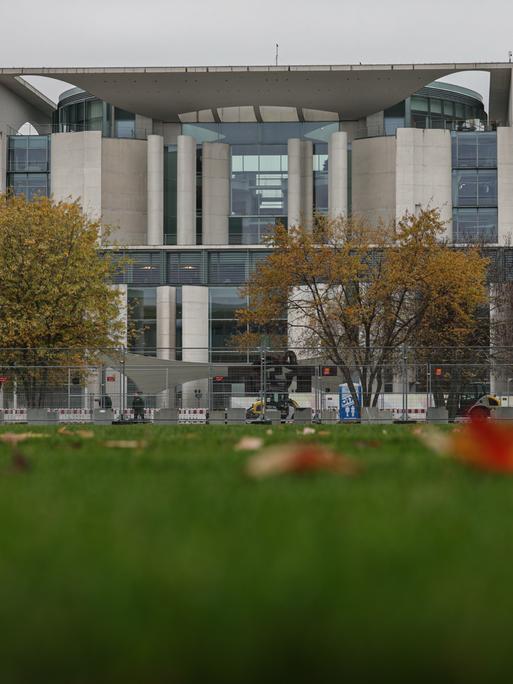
(186, 190)
(510, 100)
(155, 180)
(337, 175)
(166, 322)
(117, 383)
(307, 183)
(216, 193)
(195, 341)
(294, 182)
(300, 182)
(505, 184)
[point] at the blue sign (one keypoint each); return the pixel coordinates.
(348, 410)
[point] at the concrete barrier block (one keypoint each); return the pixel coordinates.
(217, 417)
(41, 416)
(166, 416)
(103, 416)
(273, 415)
(236, 415)
(372, 414)
(303, 415)
(329, 416)
(437, 415)
(503, 413)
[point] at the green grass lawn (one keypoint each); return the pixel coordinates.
(169, 565)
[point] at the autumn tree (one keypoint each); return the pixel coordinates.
(56, 303)
(356, 293)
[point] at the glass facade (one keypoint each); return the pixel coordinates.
(474, 178)
(85, 113)
(142, 334)
(28, 165)
(260, 133)
(444, 111)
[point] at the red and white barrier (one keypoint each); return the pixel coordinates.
(75, 415)
(188, 416)
(416, 413)
(14, 415)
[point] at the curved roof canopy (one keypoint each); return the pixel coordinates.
(353, 91)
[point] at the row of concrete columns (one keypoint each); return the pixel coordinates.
(216, 187)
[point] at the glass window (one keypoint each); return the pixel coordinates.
(185, 268)
(124, 123)
(435, 105)
(459, 110)
(260, 187)
(145, 268)
(224, 302)
(487, 149)
(94, 115)
(471, 225)
(448, 108)
(419, 104)
(475, 188)
(227, 267)
(28, 184)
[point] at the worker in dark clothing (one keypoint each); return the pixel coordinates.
(106, 402)
(138, 406)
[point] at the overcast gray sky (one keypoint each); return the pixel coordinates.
(206, 32)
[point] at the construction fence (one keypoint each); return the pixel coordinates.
(292, 385)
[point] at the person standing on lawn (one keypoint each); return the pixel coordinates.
(138, 406)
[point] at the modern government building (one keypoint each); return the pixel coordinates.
(192, 166)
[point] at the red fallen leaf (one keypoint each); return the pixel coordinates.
(19, 462)
(485, 444)
(299, 459)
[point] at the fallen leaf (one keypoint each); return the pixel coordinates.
(307, 431)
(299, 459)
(324, 433)
(85, 434)
(485, 445)
(269, 432)
(434, 439)
(368, 444)
(19, 462)
(125, 444)
(249, 444)
(16, 437)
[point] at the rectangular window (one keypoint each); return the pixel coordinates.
(185, 268)
(475, 225)
(259, 180)
(227, 267)
(475, 188)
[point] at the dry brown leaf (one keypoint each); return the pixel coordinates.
(434, 439)
(249, 444)
(324, 433)
(19, 462)
(16, 437)
(85, 434)
(269, 432)
(299, 459)
(125, 444)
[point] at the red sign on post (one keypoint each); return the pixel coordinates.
(3, 378)
(111, 378)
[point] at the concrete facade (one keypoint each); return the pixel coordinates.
(505, 184)
(215, 193)
(155, 189)
(186, 191)
(76, 169)
(124, 189)
(424, 172)
(405, 173)
(374, 179)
